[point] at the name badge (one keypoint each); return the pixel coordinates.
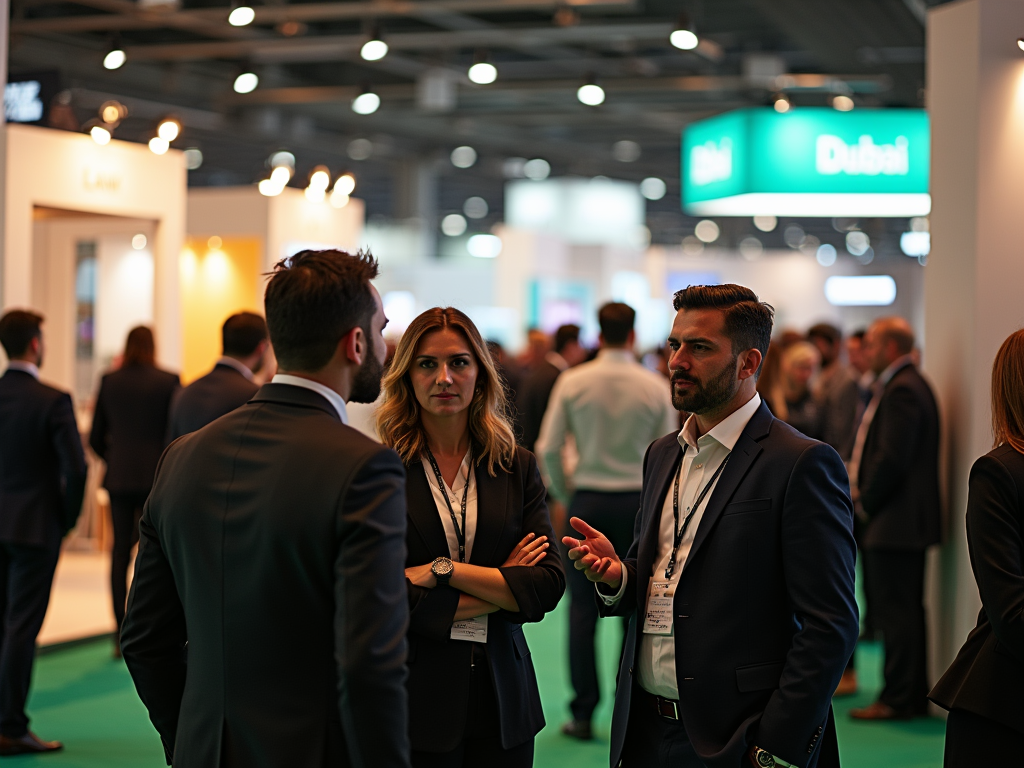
(658, 620)
(473, 630)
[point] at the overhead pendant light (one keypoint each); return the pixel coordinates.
(241, 16)
(366, 103)
(169, 129)
(246, 82)
(842, 103)
(781, 103)
(116, 57)
(590, 93)
(343, 187)
(159, 145)
(100, 134)
(683, 37)
(482, 72)
(375, 48)
(319, 180)
(1020, 43)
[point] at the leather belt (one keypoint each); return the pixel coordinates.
(667, 708)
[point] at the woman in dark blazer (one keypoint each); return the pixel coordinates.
(984, 687)
(129, 426)
(480, 560)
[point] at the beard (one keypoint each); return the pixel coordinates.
(706, 396)
(366, 384)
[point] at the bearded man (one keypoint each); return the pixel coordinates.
(739, 585)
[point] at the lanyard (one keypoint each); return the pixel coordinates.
(681, 531)
(460, 533)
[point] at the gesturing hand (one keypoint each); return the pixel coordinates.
(594, 555)
(530, 551)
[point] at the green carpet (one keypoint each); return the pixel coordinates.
(83, 697)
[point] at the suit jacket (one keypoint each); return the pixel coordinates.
(220, 391)
(42, 464)
(532, 400)
(899, 467)
(987, 676)
(271, 552)
(765, 612)
(510, 506)
(129, 426)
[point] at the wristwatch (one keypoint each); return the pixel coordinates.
(442, 569)
(764, 758)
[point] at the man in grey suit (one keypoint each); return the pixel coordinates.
(230, 385)
(266, 623)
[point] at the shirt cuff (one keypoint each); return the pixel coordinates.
(613, 599)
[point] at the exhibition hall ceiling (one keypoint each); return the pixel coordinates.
(182, 59)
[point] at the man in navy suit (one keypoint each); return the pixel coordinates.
(739, 584)
(42, 482)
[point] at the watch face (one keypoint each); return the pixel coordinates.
(442, 566)
(765, 759)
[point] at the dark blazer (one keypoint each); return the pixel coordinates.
(509, 505)
(765, 612)
(220, 391)
(987, 676)
(42, 465)
(899, 467)
(129, 426)
(532, 400)
(273, 546)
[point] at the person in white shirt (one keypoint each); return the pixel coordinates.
(739, 584)
(613, 408)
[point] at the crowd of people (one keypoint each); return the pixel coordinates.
(715, 501)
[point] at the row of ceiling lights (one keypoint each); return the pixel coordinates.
(283, 168)
(840, 102)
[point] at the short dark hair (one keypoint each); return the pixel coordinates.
(826, 332)
(616, 320)
(565, 335)
(313, 299)
(748, 320)
(17, 329)
(242, 333)
(140, 347)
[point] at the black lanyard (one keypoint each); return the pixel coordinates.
(460, 533)
(681, 531)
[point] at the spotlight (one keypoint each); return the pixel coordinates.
(159, 145)
(591, 94)
(1020, 43)
(483, 73)
(463, 157)
(842, 103)
(683, 36)
(320, 178)
(242, 16)
(115, 58)
(246, 82)
(112, 112)
(193, 158)
(100, 135)
(268, 188)
(781, 103)
(374, 49)
(345, 184)
(281, 175)
(278, 180)
(169, 129)
(366, 103)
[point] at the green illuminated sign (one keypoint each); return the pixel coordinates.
(808, 162)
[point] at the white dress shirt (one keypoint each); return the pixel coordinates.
(239, 366)
(877, 390)
(321, 389)
(701, 459)
(26, 367)
(614, 408)
(454, 492)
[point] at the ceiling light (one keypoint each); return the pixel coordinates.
(842, 103)
(158, 145)
(345, 184)
(537, 169)
(826, 254)
(169, 129)
(366, 103)
(683, 36)
(463, 157)
(241, 16)
(626, 151)
(374, 49)
(139, 242)
(268, 188)
(860, 290)
(857, 242)
(483, 73)
(115, 58)
(193, 158)
(706, 231)
(320, 178)
(1020, 43)
(453, 225)
(246, 82)
(591, 94)
(781, 103)
(766, 223)
(751, 248)
(484, 246)
(281, 175)
(100, 134)
(652, 188)
(475, 207)
(284, 157)
(113, 112)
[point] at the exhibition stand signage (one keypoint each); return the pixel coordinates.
(813, 161)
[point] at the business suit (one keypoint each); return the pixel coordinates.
(898, 482)
(764, 617)
(220, 391)
(532, 400)
(510, 505)
(984, 684)
(272, 545)
(42, 482)
(129, 429)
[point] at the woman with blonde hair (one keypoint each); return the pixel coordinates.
(480, 561)
(983, 689)
(791, 398)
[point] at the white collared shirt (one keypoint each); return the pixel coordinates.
(454, 492)
(877, 390)
(701, 459)
(239, 366)
(26, 367)
(614, 408)
(332, 397)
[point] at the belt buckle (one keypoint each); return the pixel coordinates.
(673, 705)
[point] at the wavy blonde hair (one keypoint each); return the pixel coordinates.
(398, 417)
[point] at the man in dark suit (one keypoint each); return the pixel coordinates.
(739, 584)
(42, 481)
(230, 384)
(535, 389)
(895, 469)
(272, 554)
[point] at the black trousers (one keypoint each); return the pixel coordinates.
(973, 740)
(653, 741)
(612, 514)
(26, 575)
(896, 580)
(125, 511)
(481, 744)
